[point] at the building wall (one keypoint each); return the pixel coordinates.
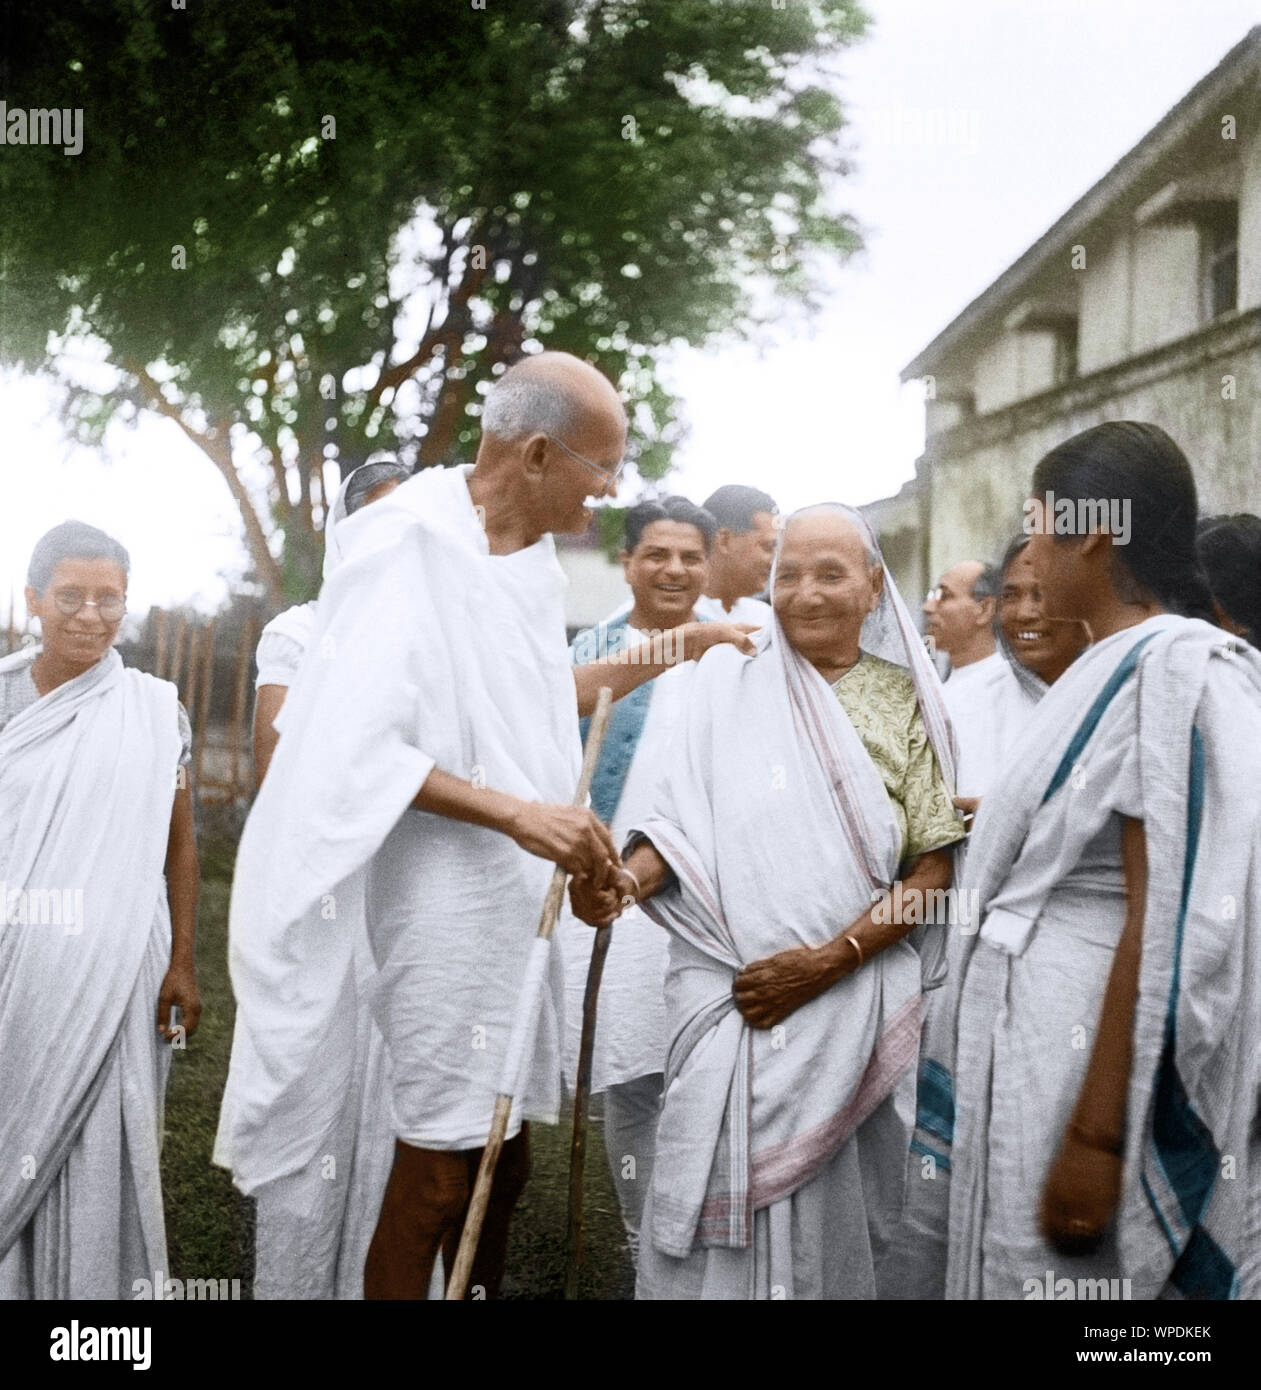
(996, 382)
(977, 477)
(1142, 353)
(1104, 326)
(1037, 361)
(1166, 286)
(1250, 222)
(596, 586)
(897, 524)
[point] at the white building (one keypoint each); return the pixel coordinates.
(1142, 302)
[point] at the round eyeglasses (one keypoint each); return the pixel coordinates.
(70, 601)
(609, 478)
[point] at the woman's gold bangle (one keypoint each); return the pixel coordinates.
(853, 941)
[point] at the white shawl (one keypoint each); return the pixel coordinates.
(401, 677)
(87, 780)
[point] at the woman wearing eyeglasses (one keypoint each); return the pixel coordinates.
(98, 905)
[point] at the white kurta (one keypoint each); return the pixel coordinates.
(282, 645)
(630, 1038)
(452, 908)
(988, 709)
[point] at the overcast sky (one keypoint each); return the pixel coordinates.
(975, 124)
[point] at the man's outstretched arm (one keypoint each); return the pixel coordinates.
(629, 669)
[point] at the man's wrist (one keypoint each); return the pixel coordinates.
(509, 812)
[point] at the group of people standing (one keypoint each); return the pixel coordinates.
(915, 989)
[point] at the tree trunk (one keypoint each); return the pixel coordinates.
(218, 449)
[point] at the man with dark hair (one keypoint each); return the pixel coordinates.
(665, 558)
(743, 550)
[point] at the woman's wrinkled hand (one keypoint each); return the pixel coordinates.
(597, 907)
(767, 991)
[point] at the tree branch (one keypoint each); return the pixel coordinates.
(219, 451)
(392, 377)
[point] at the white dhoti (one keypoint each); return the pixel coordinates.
(428, 652)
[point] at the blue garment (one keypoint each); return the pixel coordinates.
(626, 722)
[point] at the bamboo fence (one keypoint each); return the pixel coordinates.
(190, 655)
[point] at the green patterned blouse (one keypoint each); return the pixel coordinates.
(879, 698)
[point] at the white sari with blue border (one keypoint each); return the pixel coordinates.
(1162, 723)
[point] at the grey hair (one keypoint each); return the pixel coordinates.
(854, 517)
(72, 540)
(520, 404)
(985, 585)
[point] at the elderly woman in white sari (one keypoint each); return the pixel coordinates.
(805, 783)
(1102, 1100)
(99, 881)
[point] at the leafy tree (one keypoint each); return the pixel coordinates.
(305, 231)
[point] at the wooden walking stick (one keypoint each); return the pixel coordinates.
(582, 1098)
(523, 1024)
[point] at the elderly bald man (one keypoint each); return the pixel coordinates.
(960, 613)
(429, 747)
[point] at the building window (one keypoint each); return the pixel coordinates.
(1219, 279)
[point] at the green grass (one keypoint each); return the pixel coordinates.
(210, 1226)
(536, 1251)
